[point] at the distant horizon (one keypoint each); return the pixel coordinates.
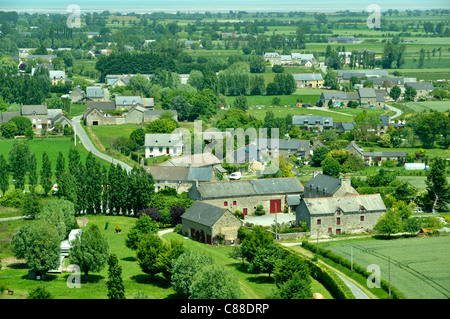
(148, 6)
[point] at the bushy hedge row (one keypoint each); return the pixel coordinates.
(334, 286)
(347, 264)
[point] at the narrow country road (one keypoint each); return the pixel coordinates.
(397, 111)
(84, 139)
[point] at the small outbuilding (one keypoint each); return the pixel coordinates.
(207, 223)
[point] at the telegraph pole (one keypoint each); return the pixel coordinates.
(389, 276)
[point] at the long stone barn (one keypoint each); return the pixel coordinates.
(204, 222)
(341, 214)
(246, 195)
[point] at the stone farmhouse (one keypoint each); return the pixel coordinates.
(364, 96)
(180, 178)
(246, 195)
(345, 75)
(306, 60)
(39, 115)
(309, 80)
(422, 88)
(318, 122)
(97, 93)
(58, 77)
(204, 221)
(163, 145)
(344, 40)
(323, 185)
(110, 113)
(370, 158)
(341, 214)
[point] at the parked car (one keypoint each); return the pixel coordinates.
(235, 175)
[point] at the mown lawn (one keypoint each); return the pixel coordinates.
(14, 272)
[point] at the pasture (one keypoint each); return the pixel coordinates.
(419, 266)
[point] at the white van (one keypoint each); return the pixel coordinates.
(235, 175)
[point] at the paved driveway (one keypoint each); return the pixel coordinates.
(269, 219)
(84, 139)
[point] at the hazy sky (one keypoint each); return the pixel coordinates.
(219, 5)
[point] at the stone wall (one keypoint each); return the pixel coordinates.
(249, 202)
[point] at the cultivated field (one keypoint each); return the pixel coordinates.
(419, 266)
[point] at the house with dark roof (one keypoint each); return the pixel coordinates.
(180, 178)
(97, 93)
(322, 185)
(313, 121)
(422, 88)
(246, 195)
(204, 222)
(370, 158)
(350, 214)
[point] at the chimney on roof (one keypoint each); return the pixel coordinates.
(346, 181)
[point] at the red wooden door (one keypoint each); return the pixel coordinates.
(245, 211)
(208, 239)
(192, 233)
(275, 206)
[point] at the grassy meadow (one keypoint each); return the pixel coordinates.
(14, 272)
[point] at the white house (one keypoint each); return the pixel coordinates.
(163, 144)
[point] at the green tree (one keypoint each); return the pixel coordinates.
(60, 211)
(8, 129)
(40, 292)
(287, 267)
(149, 252)
(390, 223)
(22, 124)
(410, 93)
(39, 244)
(19, 155)
(257, 64)
(294, 288)
(60, 166)
(184, 269)
(437, 185)
(257, 239)
(116, 289)
(266, 258)
(395, 92)
(90, 251)
(4, 174)
(143, 226)
(46, 174)
(330, 80)
(240, 102)
(215, 282)
(318, 156)
(331, 166)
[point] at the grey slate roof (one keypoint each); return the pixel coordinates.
(384, 154)
(129, 100)
(324, 183)
(242, 188)
(368, 73)
(34, 109)
(94, 92)
(312, 120)
(420, 85)
(293, 200)
(204, 214)
(162, 140)
(6, 116)
(102, 105)
(308, 77)
(338, 95)
(367, 93)
(348, 204)
(201, 174)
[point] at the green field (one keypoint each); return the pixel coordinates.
(14, 275)
(52, 146)
(419, 266)
(106, 133)
(439, 106)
